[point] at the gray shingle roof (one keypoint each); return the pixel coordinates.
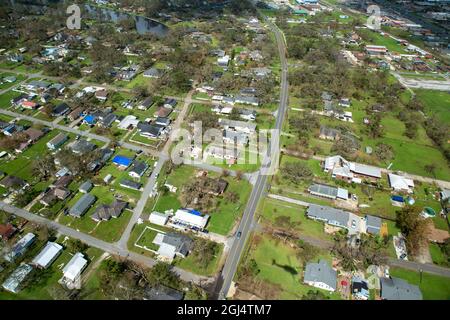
(82, 205)
(373, 224)
(321, 272)
(329, 215)
(399, 289)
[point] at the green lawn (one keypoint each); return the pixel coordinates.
(432, 287)
(437, 255)
(21, 166)
(279, 265)
(272, 208)
(190, 264)
(436, 103)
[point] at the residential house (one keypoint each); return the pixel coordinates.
(400, 184)
(138, 169)
(101, 95)
(82, 205)
(249, 115)
(172, 245)
(129, 122)
(63, 182)
(158, 218)
(376, 51)
(82, 146)
(12, 284)
(163, 112)
(54, 194)
(327, 133)
(360, 288)
(335, 217)
(153, 73)
(164, 122)
(48, 255)
(190, 219)
(223, 61)
(146, 104)
(108, 120)
(20, 247)
(86, 186)
(75, 114)
(150, 130)
(321, 275)
(122, 162)
(57, 141)
(73, 269)
(350, 171)
(13, 183)
(60, 110)
(223, 153)
(329, 192)
(106, 212)
(373, 224)
(7, 231)
(130, 184)
(399, 289)
(251, 100)
(239, 126)
(234, 137)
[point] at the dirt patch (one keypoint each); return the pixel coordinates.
(244, 295)
(257, 287)
(437, 235)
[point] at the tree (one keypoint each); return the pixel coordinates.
(306, 252)
(161, 273)
(75, 245)
(297, 171)
(431, 169)
(346, 146)
(315, 295)
(413, 227)
(374, 128)
(44, 167)
(384, 152)
(204, 252)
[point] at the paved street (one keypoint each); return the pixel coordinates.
(227, 274)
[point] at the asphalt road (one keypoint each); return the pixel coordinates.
(227, 274)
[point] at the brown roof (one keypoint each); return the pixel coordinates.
(63, 181)
(163, 112)
(12, 182)
(6, 231)
(76, 113)
(61, 193)
(33, 134)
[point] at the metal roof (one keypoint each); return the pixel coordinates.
(399, 289)
(82, 205)
(328, 214)
(50, 252)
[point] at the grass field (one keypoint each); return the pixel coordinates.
(436, 103)
(278, 264)
(432, 287)
(272, 208)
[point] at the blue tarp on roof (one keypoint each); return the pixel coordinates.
(89, 119)
(122, 161)
(195, 212)
(398, 198)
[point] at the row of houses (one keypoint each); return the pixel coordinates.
(321, 275)
(51, 251)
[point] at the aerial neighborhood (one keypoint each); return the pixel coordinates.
(134, 151)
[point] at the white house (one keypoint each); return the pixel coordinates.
(401, 184)
(158, 218)
(49, 254)
(190, 218)
(73, 269)
(128, 122)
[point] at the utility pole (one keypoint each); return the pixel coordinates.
(421, 271)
